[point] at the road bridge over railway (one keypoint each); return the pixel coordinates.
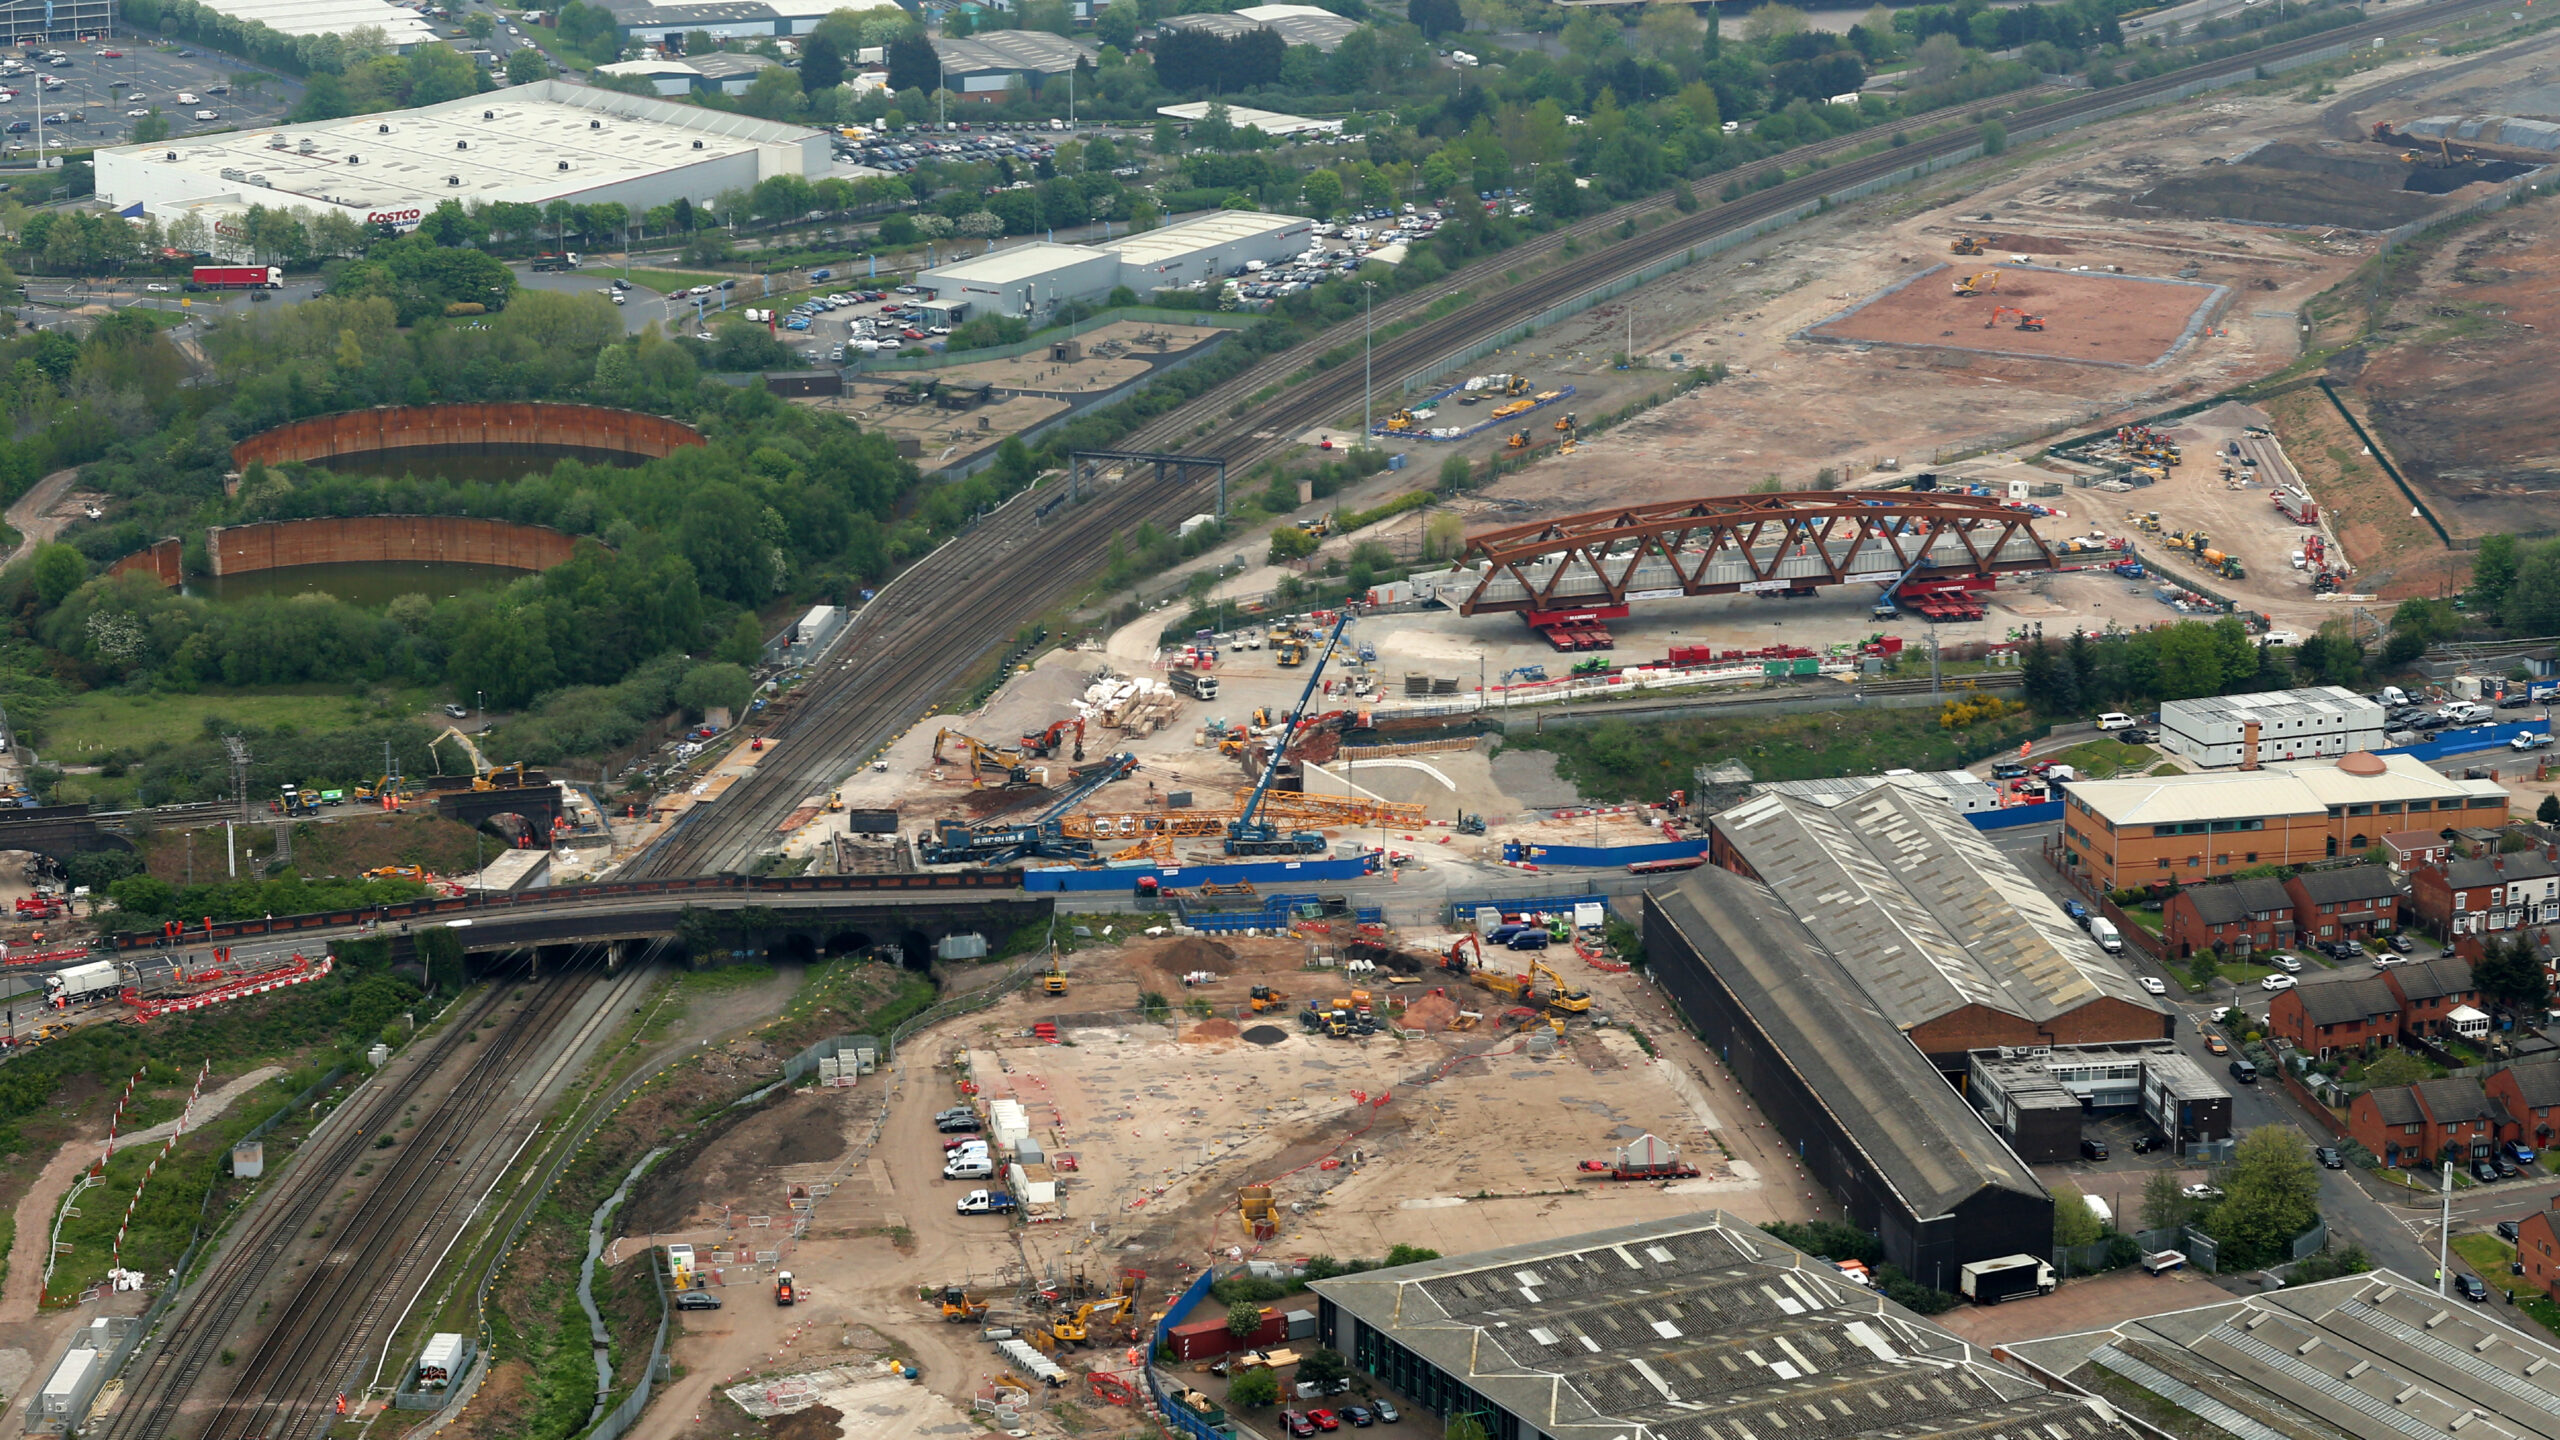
(1746, 544)
(803, 915)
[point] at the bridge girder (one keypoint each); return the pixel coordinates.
(1730, 544)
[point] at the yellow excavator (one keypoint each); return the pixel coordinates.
(1053, 981)
(482, 772)
(1982, 284)
(983, 759)
(1563, 997)
(1077, 1329)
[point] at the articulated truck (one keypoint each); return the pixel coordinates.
(239, 277)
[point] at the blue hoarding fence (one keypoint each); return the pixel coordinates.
(1612, 855)
(2014, 815)
(1179, 1417)
(2472, 740)
(1276, 912)
(1251, 872)
(1462, 913)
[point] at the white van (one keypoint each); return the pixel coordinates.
(2103, 930)
(2115, 720)
(968, 1167)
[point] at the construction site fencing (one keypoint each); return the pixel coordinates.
(615, 1422)
(1178, 1417)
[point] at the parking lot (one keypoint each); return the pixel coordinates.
(99, 83)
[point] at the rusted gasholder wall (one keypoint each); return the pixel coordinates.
(401, 427)
(372, 539)
(160, 561)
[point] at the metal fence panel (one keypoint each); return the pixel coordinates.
(2202, 1252)
(2311, 1241)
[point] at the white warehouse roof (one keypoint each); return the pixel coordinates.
(533, 143)
(1269, 122)
(1150, 248)
(400, 28)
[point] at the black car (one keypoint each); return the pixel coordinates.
(1359, 1416)
(2473, 1288)
(2329, 1157)
(2507, 1231)
(2506, 1168)
(2139, 736)
(697, 1300)
(2484, 1172)
(2093, 1149)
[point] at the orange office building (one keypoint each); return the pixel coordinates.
(2180, 829)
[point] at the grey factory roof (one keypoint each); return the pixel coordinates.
(2372, 1356)
(642, 14)
(1699, 1327)
(2230, 902)
(1030, 51)
(2352, 882)
(2344, 997)
(1295, 24)
(1933, 1148)
(1929, 915)
(725, 65)
(1963, 788)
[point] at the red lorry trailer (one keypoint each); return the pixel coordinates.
(239, 277)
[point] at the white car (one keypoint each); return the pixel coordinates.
(2276, 982)
(2286, 963)
(2530, 740)
(2202, 1192)
(137, 114)
(157, 289)
(2152, 984)
(2115, 720)
(208, 115)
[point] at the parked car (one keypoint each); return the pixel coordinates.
(1299, 1425)
(697, 1300)
(2140, 736)
(2077, 912)
(2092, 1148)
(2153, 985)
(2530, 740)
(1387, 1414)
(2507, 1231)
(2215, 1044)
(2202, 1192)
(2329, 1157)
(457, 712)
(2401, 943)
(2519, 1152)
(2244, 1071)
(2145, 1143)
(1325, 1419)
(2276, 982)
(2286, 963)
(2505, 1167)
(2484, 1172)
(1359, 1416)
(2115, 720)
(2473, 1288)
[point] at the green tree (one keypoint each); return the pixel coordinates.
(57, 570)
(151, 128)
(2549, 811)
(1322, 190)
(2270, 1194)
(526, 65)
(744, 644)
(1254, 1389)
(1436, 18)
(1456, 473)
(821, 64)
(2493, 570)
(2190, 662)
(718, 686)
(1401, 1254)
(2162, 1205)
(1322, 1367)
(1116, 25)
(2074, 1223)
(1243, 1318)
(1288, 542)
(2509, 974)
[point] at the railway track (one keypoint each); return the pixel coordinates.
(945, 612)
(329, 1312)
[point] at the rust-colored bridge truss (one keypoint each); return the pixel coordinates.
(1747, 544)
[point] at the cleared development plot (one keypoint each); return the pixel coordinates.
(2093, 318)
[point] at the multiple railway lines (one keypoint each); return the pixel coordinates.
(332, 1315)
(937, 620)
(920, 636)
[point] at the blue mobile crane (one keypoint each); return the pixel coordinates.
(1248, 836)
(957, 843)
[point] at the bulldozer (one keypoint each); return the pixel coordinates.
(2147, 521)
(1980, 284)
(959, 1307)
(1401, 422)
(1266, 998)
(1965, 245)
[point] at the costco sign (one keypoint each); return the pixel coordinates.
(396, 219)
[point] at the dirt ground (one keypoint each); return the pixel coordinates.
(1451, 1140)
(1114, 355)
(2093, 318)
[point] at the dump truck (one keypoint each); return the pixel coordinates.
(1644, 1158)
(1989, 1282)
(1194, 683)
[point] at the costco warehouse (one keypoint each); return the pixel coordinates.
(529, 143)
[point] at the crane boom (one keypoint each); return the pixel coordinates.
(1247, 836)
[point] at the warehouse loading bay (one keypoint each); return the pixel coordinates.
(1446, 1138)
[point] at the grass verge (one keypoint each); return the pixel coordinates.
(1636, 759)
(112, 720)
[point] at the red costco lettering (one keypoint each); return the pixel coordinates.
(391, 217)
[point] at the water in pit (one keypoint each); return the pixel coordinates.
(370, 585)
(473, 464)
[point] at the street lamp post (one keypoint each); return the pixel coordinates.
(1368, 314)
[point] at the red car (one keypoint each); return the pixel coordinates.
(1324, 1419)
(1298, 1424)
(110, 54)
(912, 333)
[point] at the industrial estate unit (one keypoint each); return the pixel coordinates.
(1699, 1328)
(1031, 281)
(535, 144)
(2272, 725)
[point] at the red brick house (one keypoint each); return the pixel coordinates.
(2538, 1249)
(2239, 915)
(2531, 1094)
(2429, 991)
(2499, 892)
(2412, 1125)
(2337, 1010)
(2410, 849)
(2344, 904)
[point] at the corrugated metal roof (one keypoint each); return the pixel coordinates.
(1698, 1328)
(2266, 705)
(1926, 913)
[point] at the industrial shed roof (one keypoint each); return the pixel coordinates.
(1699, 1328)
(1295, 24)
(2373, 1356)
(1030, 51)
(331, 17)
(1219, 227)
(1916, 1132)
(1927, 914)
(2300, 787)
(2268, 706)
